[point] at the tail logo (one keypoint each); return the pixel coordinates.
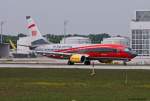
(34, 33)
(33, 25)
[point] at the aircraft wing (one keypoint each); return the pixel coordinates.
(60, 54)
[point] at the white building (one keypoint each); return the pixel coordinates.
(75, 40)
(22, 45)
(140, 29)
(117, 40)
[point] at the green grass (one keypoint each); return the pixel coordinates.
(73, 85)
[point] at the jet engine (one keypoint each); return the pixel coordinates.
(77, 58)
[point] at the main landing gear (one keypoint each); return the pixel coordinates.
(70, 63)
(87, 63)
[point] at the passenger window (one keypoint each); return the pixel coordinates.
(102, 50)
(107, 50)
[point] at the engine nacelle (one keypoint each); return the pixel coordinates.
(77, 58)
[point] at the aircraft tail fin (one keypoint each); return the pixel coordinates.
(36, 36)
(32, 27)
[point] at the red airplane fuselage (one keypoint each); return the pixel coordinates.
(100, 52)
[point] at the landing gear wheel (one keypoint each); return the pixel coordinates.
(87, 62)
(70, 63)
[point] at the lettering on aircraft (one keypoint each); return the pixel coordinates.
(61, 47)
(53, 48)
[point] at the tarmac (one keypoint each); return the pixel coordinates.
(77, 66)
(44, 62)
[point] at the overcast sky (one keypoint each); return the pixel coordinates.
(84, 16)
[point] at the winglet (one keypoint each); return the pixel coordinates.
(28, 17)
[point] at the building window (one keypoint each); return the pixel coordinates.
(145, 46)
(145, 52)
(133, 36)
(133, 46)
(138, 46)
(145, 36)
(133, 41)
(140, 41)
(138, 36)
(139, 51)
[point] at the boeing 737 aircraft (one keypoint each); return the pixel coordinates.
(104, 53)
(78, 53)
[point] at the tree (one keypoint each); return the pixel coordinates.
(97, 38)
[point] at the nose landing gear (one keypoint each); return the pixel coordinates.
(124, 63)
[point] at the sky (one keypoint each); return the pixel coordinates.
(83, 16)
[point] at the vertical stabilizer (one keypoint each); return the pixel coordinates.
(32, 27)
(36, 36)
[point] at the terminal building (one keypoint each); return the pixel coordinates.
(140, 33)
(75, 40)
(117, 40)
(22, 44)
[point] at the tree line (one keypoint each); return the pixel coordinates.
(95, 38)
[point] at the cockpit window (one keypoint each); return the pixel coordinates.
(127, 49)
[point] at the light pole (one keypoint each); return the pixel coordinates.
(65, 30)
(1, 24)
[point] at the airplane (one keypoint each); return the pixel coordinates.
(78, 53)
(104, 53)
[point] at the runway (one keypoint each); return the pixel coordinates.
(43, 62)
(78, 66)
